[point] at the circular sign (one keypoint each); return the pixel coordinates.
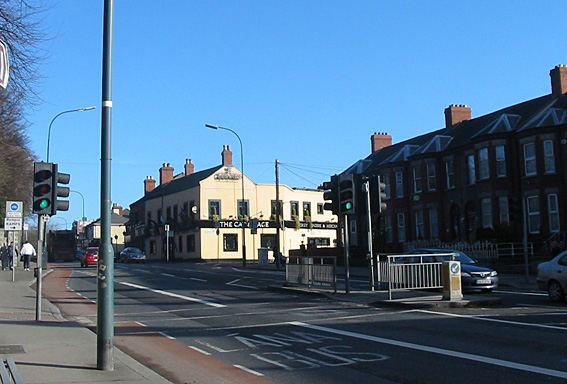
(14, 206)
(455, 268)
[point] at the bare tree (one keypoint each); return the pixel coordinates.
(20, 31)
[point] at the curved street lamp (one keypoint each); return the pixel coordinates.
(241, 170)
(56, 116)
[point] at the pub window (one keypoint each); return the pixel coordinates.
(294, 209)
(274, 207)
(320, 209)
(190, 243)
(243, 211)
(306, 210)
(214, 209)
(230, 242)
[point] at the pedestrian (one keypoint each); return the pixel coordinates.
(27, 252)
(12, 251)
(4, 256)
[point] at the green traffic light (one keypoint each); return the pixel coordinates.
(348, 205)
(44, 203)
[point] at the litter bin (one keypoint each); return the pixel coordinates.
(263, 256)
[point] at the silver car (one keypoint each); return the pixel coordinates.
(132, 254)
(552, 277)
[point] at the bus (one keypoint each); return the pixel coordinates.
(61, 245)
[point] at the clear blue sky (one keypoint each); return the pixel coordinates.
(305, 82)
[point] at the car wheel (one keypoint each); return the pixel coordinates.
(555, 292)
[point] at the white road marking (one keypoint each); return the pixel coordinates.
(165, 293)
(482, 318)
(194, 278)
(233, 283)
(249, 370)
(199, 350)
(439, 351)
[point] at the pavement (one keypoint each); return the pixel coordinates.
(62, 348)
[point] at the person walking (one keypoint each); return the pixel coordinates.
(4, 256)
(12, 251)
(27, 252)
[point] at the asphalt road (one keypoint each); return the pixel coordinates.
(228, 313)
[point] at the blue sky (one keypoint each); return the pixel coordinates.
(306, 82)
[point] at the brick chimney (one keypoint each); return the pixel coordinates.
(379, 141)
(189, 167)
(117, 209)
(226, 155)
(149, 184)
(456, 113)
(558, 80)
(165, 174)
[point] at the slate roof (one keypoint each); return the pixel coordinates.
(180, 184)
(540, 112)
(115, 219)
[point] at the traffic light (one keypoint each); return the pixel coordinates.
(347, 197)
(381, 195)
(331, 194)
(60, 191)
(42, 188)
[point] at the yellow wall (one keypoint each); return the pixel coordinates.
(227, 187)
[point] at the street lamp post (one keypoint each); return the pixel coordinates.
(56, 116)
(241, 170)
(83, 197)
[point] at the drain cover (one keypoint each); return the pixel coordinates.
(10, 349)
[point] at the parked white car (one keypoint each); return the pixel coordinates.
(552, 277)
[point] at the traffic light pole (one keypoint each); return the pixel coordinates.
(347, 255)
(370, 248)
(39, 265)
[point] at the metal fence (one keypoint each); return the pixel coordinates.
(312, 271)
(478, 250)
(411, 272)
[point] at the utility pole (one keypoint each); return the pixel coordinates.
(278, 214)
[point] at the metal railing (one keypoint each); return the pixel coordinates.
(312, 271)
(412, 272)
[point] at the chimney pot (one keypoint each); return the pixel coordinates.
(456, 113)
(379, 141)
(149, 184)
(165, 174)
(189, 167)
(558, 80)
(226, 155)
